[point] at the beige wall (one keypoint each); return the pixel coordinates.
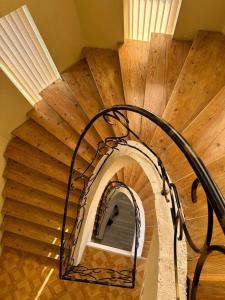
(200, 14)
(101, 22)
(58, 24)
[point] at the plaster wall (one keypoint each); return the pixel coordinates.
(199, 15)
(101, 23)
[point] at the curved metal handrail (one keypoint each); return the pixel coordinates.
(215, 198)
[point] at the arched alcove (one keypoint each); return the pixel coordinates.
(114, 201)
(163, 279)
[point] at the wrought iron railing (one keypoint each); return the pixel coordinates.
(215, 201)
(105, 203)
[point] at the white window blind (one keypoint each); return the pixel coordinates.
(24, 57)
(142, 17)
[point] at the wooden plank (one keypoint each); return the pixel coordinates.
(146, 249)
(211, 289)
(205, 64)
(198, 230)
(61, 99)
(214, 264)
(127, 174)
(29, 177)
(217, 171)
(83, 86)
(35, 215)
(148, 233)
(133, 57)
(31, 196)
(31, 230)
(33, 158)
(29, 245)
(136, 173)
(141, 182)
(166, 59)
(105, 68)
(206, 134)
(120, 175)
(38, 137)
(46, 117)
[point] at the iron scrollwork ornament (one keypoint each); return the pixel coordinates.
(116, 116)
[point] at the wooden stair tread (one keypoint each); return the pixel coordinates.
(206, 134)
(105, 68)
(133, 57)
(38, 137)
(46, 117)
(31, 178)
(166, 59)
(211, 287)
(35, 159)
(81, 83)
(29, 245)
(216, 170)
(31, 196)
(33, 214)
(61, 99)
(31, 230)
(205, 63)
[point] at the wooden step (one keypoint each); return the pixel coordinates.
(211, 287)
(38, 181)
(31, 230)
(38, 137)
(217, 171)
(206, 134)
(33, 158)
(166, 59)
(105, 68)
(61, 99)
(46, 117)
(148, 233)
(146, 249)
(136, 173)
(31, 196)
(215, 264)
(133, 57)
(35, 215)
(29, 245)
(83, 87)
(201, 78)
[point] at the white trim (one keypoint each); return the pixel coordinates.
(109, 249)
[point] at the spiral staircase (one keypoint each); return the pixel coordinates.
(181, 81)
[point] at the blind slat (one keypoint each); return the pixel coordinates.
(24, 57)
